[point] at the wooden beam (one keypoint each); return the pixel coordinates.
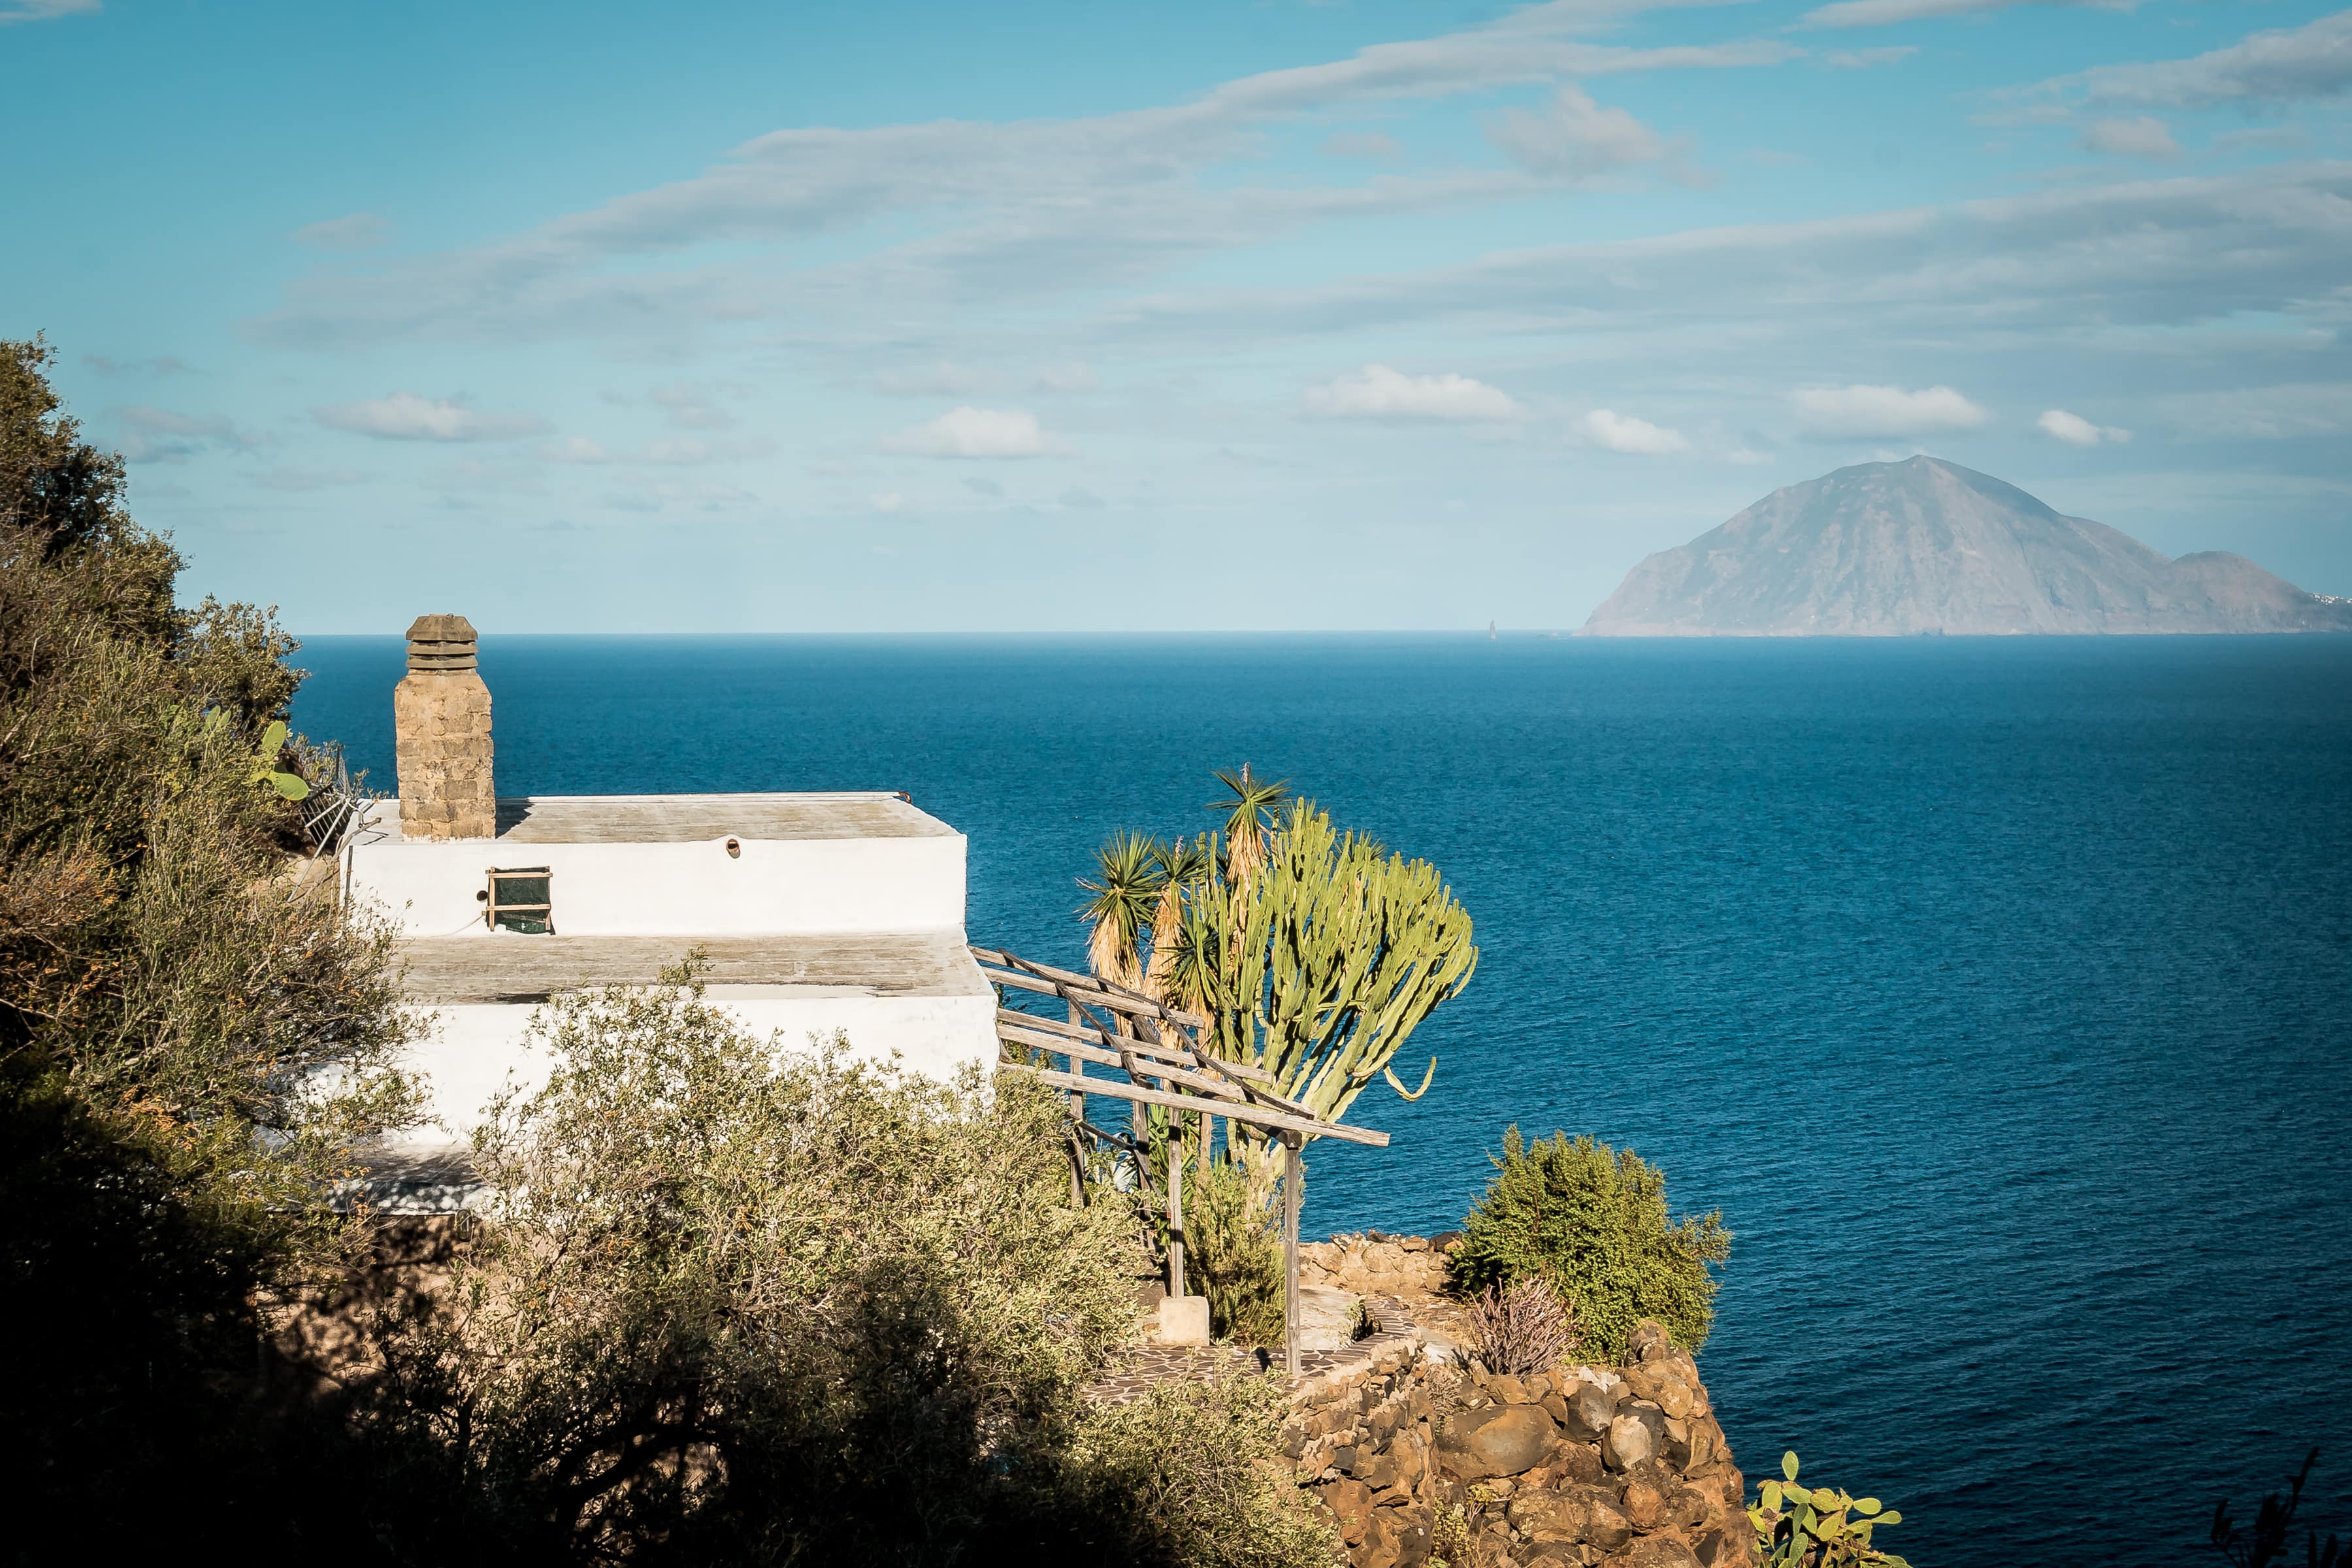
(1114, 997)
(1233, 1110)
(1182, 1056)
(1217, 1088)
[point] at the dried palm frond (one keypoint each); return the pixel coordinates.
(1126, 897)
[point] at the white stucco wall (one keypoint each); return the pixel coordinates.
(473, 1050)
(678, 889)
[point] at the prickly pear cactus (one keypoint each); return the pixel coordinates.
(1815, 1527)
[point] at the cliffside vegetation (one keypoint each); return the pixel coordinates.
(1592, 1222)
(167, 995)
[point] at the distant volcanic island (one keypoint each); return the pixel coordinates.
(1924, 547)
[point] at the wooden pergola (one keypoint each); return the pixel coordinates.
(1160, 1052)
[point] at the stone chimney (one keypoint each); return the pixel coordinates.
(441, 719)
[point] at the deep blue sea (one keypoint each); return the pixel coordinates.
(1996, 991)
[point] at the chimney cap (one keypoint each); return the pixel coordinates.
(441, 628)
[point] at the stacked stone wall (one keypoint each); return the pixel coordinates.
(1419, 1451)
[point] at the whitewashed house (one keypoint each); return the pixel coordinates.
(816, 912)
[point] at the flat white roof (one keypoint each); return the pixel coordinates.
(694, 818)
(509, 967)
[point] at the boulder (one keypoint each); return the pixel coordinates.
(1577, 1514)
(1659, 1551)
(1589, 1409)
(1350, 1504)
(1496, 1441)
(1579, 1463)
(1629, 1441)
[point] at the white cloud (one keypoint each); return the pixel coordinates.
(2078, 431)
(1376, 391)
(979, 432)
(1879, 13)
(405, 416)
(2312, 62)
(1575, 138)
(1615, 432)
(1071, 376)
(43, 10)
(885, 501)
(353, 231)
(1844, 412)
(2142, 137)
(1867, 59)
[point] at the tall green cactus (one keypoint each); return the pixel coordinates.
(1326, 965)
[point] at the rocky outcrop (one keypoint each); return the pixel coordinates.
(1926, 546)
(1417, 1452)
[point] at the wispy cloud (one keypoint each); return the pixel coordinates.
(354, 231)
(1881, 13)
(13, 11)
(1574, 138)
(2078, 431)
(1024, 209)
(2283, 65)
(1862, 412)
(2143, 136)
(1869, 59)
(979, 432)
(153, 435)
(1377, 392)
(406, 416)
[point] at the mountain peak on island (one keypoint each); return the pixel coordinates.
(1926, 546)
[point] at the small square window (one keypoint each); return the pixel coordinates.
(519, 900)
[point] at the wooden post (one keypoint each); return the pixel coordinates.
(1078, 1115)
(1290, 1141)
(1176, 1203)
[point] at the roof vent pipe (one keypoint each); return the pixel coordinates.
(441, 724)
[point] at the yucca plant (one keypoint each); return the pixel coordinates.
(1126, 897)
(1184, 868)
(1249, 825)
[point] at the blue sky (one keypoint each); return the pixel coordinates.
(602, 317)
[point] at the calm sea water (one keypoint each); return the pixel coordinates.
(1995, 992)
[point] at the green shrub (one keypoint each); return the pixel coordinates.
(169, 998)
(1592, 1222)
(1190, 1473)
(1233, 1253)
(735, 1303)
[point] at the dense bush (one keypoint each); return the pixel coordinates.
(733, 1303)
(1190, 1473)
(1233, 1251)
(166, 998)
(1592, 1222)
